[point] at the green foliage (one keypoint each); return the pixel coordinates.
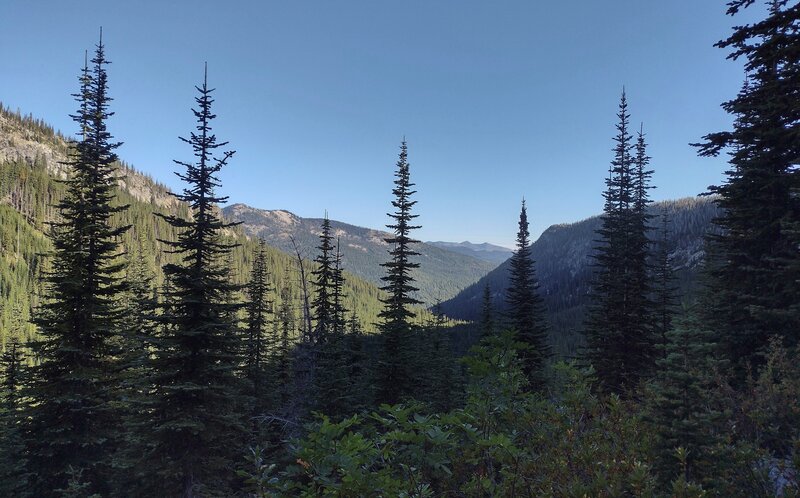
(70, 421)
(682, 412)
(753, 275)
(397, 375)
(618, 333)
(525, 307)
(504, 442)
(197, 394)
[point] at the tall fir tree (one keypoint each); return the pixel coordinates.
(197, 425)
(333, 388)
(71, 422)
(526, 311)
(323, 305)
(754, 274)
(256, 341)
(396, 372)
(618, 334)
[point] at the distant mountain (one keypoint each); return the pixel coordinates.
(441, 275)
(563, 266)
(485, 251)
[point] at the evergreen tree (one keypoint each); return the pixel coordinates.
(441, 370)
(256, 347)
(358, 372)
(682, 410)
(333, 387)
(487, 313)
(618, 334)
(754, 280)
(12, 463)
(283, 332)
(339, 309)
(71, 421)
(396, 369)
(323, 302)
(196, 421)
(665, 293)
(525, 307)
(137, 332)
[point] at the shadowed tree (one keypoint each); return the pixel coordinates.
(487, 312)
(526, 312)
(197, 425)
(71, 421)
(396, 372)
(258, 309)
(754, 274)
(618, 333)
(665, 292)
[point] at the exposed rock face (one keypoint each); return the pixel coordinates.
(22, 141)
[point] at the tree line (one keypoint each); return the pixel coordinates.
(142, 389)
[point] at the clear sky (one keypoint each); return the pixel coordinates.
(498, 99)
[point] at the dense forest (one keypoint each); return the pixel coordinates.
(151, 348)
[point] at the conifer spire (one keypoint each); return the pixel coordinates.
(396, 373)
(525, 306)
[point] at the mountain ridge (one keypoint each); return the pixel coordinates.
(484, 250)
(562, 261)
(441, 275)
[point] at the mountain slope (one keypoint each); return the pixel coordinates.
(31, 153)
(441, 275)
(563, 266)
(485, 251)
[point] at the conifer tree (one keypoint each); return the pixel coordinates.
(333, 387)
(754, 280)
(618, 336)
(487, 312)
(197, 426)
(71, 421)
(323, 302)
(665, 293)
(682, 409)
(525, 306)
(396, 372)
(358, 372)
(256, 342)
(12, 462)
(137, 332)
(441, 372)
(284, 330)
(339, 309)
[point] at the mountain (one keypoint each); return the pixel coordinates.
(31, 156)
(485, 251)
(441, 275)
(563, 266)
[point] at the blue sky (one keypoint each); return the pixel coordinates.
(498, 100)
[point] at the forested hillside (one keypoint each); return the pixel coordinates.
(441, 275)
(563, 262)
(31, 153)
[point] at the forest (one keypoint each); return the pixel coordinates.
(151, 347)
